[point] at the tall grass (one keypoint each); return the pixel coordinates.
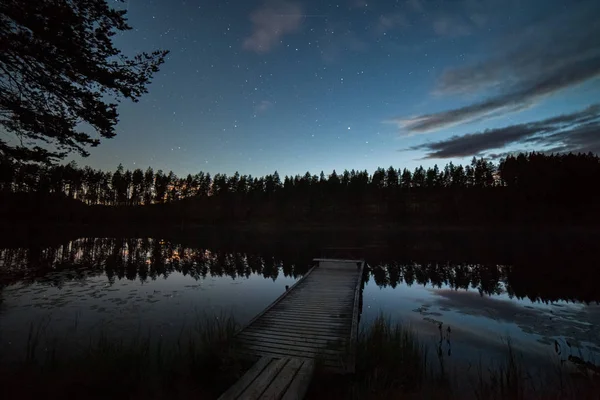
(508, 380)
(390, 357)
(392, 362)
(201, 363)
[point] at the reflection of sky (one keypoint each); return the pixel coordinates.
(482, 324)
(127, 308)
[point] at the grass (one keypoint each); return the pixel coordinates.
(390, 358)
(201, 364)
(391, 362)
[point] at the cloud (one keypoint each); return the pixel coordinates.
(451, 26)
(263, 106)
(548, 58)
(270, 23)
(415, 5)
(390, 22)
(358, 3)
(576, 132)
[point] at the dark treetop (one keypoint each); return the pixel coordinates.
(58, 69)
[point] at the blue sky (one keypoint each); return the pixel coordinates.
(254, 86)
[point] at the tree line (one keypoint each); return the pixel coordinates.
(139, 187)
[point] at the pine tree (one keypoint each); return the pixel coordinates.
(60, 68)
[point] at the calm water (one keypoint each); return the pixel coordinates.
(543, 298)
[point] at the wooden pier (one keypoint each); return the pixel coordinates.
(314, 322)
(316, 318)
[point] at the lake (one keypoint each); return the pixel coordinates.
(465, 296)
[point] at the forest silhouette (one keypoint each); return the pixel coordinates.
(527, 188)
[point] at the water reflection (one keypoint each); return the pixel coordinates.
(144, 259)
(543, 276)
(539, 296)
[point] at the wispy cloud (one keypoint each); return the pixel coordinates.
(390, 22)
(576, 132)
(516, 100)
(548, 59)
(270, 23)
(358, 3)
(263, 106)
(415, 5)
(451, 26)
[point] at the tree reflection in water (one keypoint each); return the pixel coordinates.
(537, 275)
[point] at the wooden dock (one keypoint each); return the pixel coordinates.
(316, 319)
(284, 379)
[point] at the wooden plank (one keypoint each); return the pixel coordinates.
(323, 319)
(335, 279)
(325, 290)
(332, 310)
(327, 302)
(335, 273)
(337, 308)
(301, 330)
(259, 385)
(345, 312)
(304, 307)
(306, 330)
(299, 386)
(291, 342)
(335, 260)
(273, 304)
(251, 344)
(325, 294)
(332, 275)
(295, 341)
(354, 331)
(303, 321)
(271, 335)
(326, 287)
(333, 365)
(311, 300)
(274, 332)
(307, 315)
(347, 290)
(316, 311)
(304, 327)
(280, 384)
(246, 380)
(313, 353)
(281, 352)
(320, 310)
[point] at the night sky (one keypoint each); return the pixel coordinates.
(254, 86)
